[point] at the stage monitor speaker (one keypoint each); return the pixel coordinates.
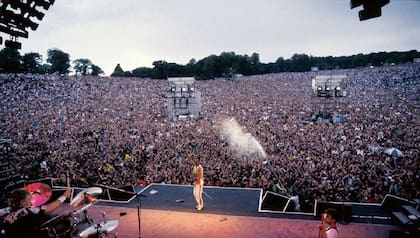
(274, 202)
(393, 203)
(344, 211)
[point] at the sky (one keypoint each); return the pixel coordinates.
(134, 33)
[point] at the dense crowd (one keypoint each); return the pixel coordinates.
(116, 131)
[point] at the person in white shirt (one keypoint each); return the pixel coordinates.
(329, 217)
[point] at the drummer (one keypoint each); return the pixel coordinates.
(24, 219)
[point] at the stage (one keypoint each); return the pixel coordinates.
(168, 211)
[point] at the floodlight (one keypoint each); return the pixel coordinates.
(13, 44)
(369, 13)
(355, 3)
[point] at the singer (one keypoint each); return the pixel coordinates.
(198, 172)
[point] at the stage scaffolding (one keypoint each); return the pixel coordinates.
(329, 97)
(183, 99)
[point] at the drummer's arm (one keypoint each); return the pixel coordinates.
(50, 207)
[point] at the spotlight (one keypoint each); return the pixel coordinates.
(44, 4)
(371, 8)
(13, 44)
(22, 33)
(369, 13)
(355, 3)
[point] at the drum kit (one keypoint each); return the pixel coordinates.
(76, 222)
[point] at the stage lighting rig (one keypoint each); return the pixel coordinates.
(371, 8)
(16, 18)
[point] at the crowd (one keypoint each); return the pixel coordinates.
(116, 131)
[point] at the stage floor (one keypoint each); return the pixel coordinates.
(163, 223)
(169, 211)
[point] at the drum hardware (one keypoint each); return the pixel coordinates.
(86, 196)
(78, 223)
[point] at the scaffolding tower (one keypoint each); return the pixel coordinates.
(328, 97)
(183, 99)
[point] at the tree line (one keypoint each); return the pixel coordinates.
(57, 62)
(227, 64)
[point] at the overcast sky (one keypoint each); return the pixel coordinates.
(135, 33)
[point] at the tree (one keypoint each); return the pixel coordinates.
(142, 72)
(191, 68)
(32, 62)
(118, 71)
(301, 63)
(59, 61)
(281, 64)
(95, 70)
(160, 69)
(81, 66)
(10, 60)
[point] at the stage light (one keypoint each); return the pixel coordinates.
(44, 4)
(26, 8)
(13, 44)
(355, 3)
(369, 13)
(22, 33)
(371, 8)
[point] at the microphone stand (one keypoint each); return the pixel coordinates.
(138, 196)
(273, 172)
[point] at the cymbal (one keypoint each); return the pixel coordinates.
(105, 226)
(86, 196)
(40, 192)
